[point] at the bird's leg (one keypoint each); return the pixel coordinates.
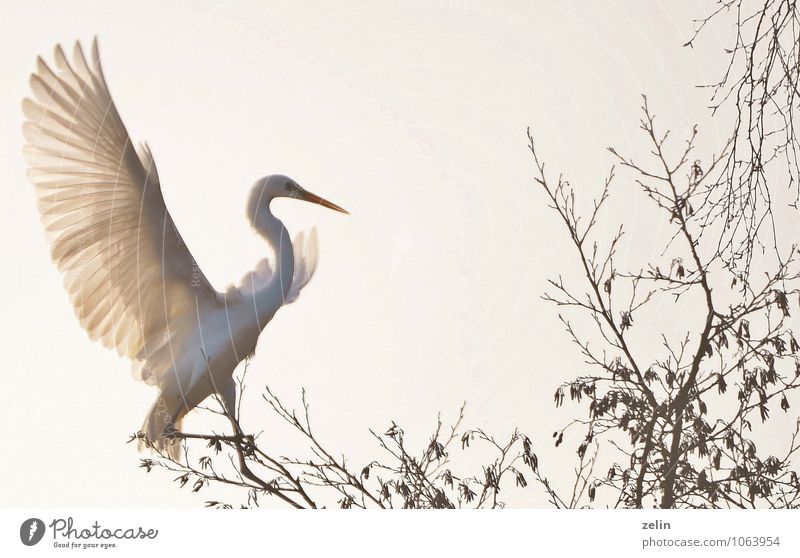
(228, 396)
(225, 394)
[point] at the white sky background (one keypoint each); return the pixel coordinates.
(412, 115)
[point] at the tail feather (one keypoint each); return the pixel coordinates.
(162, 419)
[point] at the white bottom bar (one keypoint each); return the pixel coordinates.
(402, 533)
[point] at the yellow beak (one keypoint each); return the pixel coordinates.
(313, 198)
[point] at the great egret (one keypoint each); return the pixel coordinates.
(132, 280)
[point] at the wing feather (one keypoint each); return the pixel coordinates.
(126, 268)
(306, 255)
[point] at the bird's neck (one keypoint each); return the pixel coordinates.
(271, 297)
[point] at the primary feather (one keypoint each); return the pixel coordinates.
(126, 268)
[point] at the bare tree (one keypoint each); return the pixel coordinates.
(759, 85)
(688, 437)
(399, 477)
(679, 410)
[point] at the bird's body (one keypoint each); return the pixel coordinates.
(133, 281)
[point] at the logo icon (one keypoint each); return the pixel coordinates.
(31, 531)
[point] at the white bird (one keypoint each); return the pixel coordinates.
(132, 280)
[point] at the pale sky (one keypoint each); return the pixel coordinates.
(410, 114)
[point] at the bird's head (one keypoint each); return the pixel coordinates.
(279, 186)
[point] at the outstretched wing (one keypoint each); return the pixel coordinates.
(306, 253)
(126, 267)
